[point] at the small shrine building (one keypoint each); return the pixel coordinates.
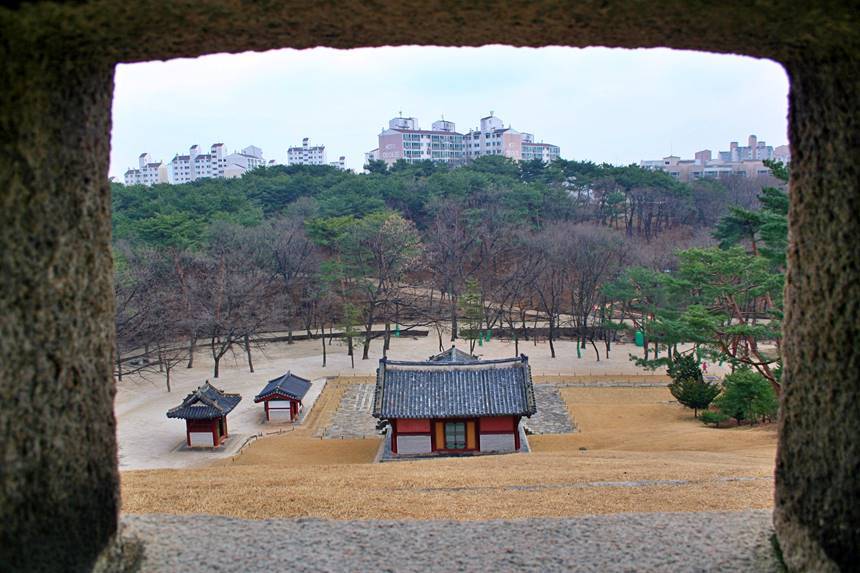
(282, 397)
(205, 413)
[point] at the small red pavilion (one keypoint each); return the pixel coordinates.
(282, 397)
(205, 413)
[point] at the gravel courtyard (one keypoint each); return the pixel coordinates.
(720, 541)
(553, 416)
(353, 418)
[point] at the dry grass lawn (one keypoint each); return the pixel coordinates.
(636, 440)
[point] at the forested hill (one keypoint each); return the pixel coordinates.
(575, 249)
(529, 194)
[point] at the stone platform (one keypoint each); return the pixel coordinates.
(670, 542)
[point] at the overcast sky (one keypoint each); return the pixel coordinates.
(617, 106)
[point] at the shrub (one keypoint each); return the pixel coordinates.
(747, 395)
(694, 393)
(688, 386)
(711, 417)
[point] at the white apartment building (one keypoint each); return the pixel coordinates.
(216, 163)
(493, 138)
(148, 172)
(738, 162)
(305, 154)
(340, 163)
(372, 155)
(754, 150)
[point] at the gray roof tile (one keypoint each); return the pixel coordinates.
(437, 389)
(205, 403)
(288, 385)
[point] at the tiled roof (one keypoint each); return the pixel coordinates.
(288, 385)
(453, 390)
(205, 403)
(454, 355)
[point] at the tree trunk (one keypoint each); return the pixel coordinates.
(596, 352)
(169, 368)
(368, 334)
(217, 366)
(387, 342)
(248, 352)
(192, 345)
(454, 326)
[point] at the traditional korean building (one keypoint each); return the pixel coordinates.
(205, 413)
(454, 403)
(282, 396)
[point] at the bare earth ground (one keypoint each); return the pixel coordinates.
(636, 451)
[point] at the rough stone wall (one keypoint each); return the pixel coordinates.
(817, 512)
(58, 477)
(58, 465)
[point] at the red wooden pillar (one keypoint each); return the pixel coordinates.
(188, 433)
(266, 405)
(216, 438)
(394, 436)
(226, 433)
(516, 433)
(294, 410)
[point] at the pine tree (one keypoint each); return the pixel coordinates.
(689, 386)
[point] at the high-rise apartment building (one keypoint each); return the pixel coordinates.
(405, 140)
(216, 163)
(372, 155)
(738, 161)
(306, 154)
(493, 138)
(148, 172)
(754, 149)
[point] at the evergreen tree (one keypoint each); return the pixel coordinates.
(689, 386)
(748, 396)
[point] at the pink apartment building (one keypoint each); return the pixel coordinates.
(404, 139)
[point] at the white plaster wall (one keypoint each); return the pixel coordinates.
(202, 439)
(497, 443)
(413, 445)
(279, 404)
